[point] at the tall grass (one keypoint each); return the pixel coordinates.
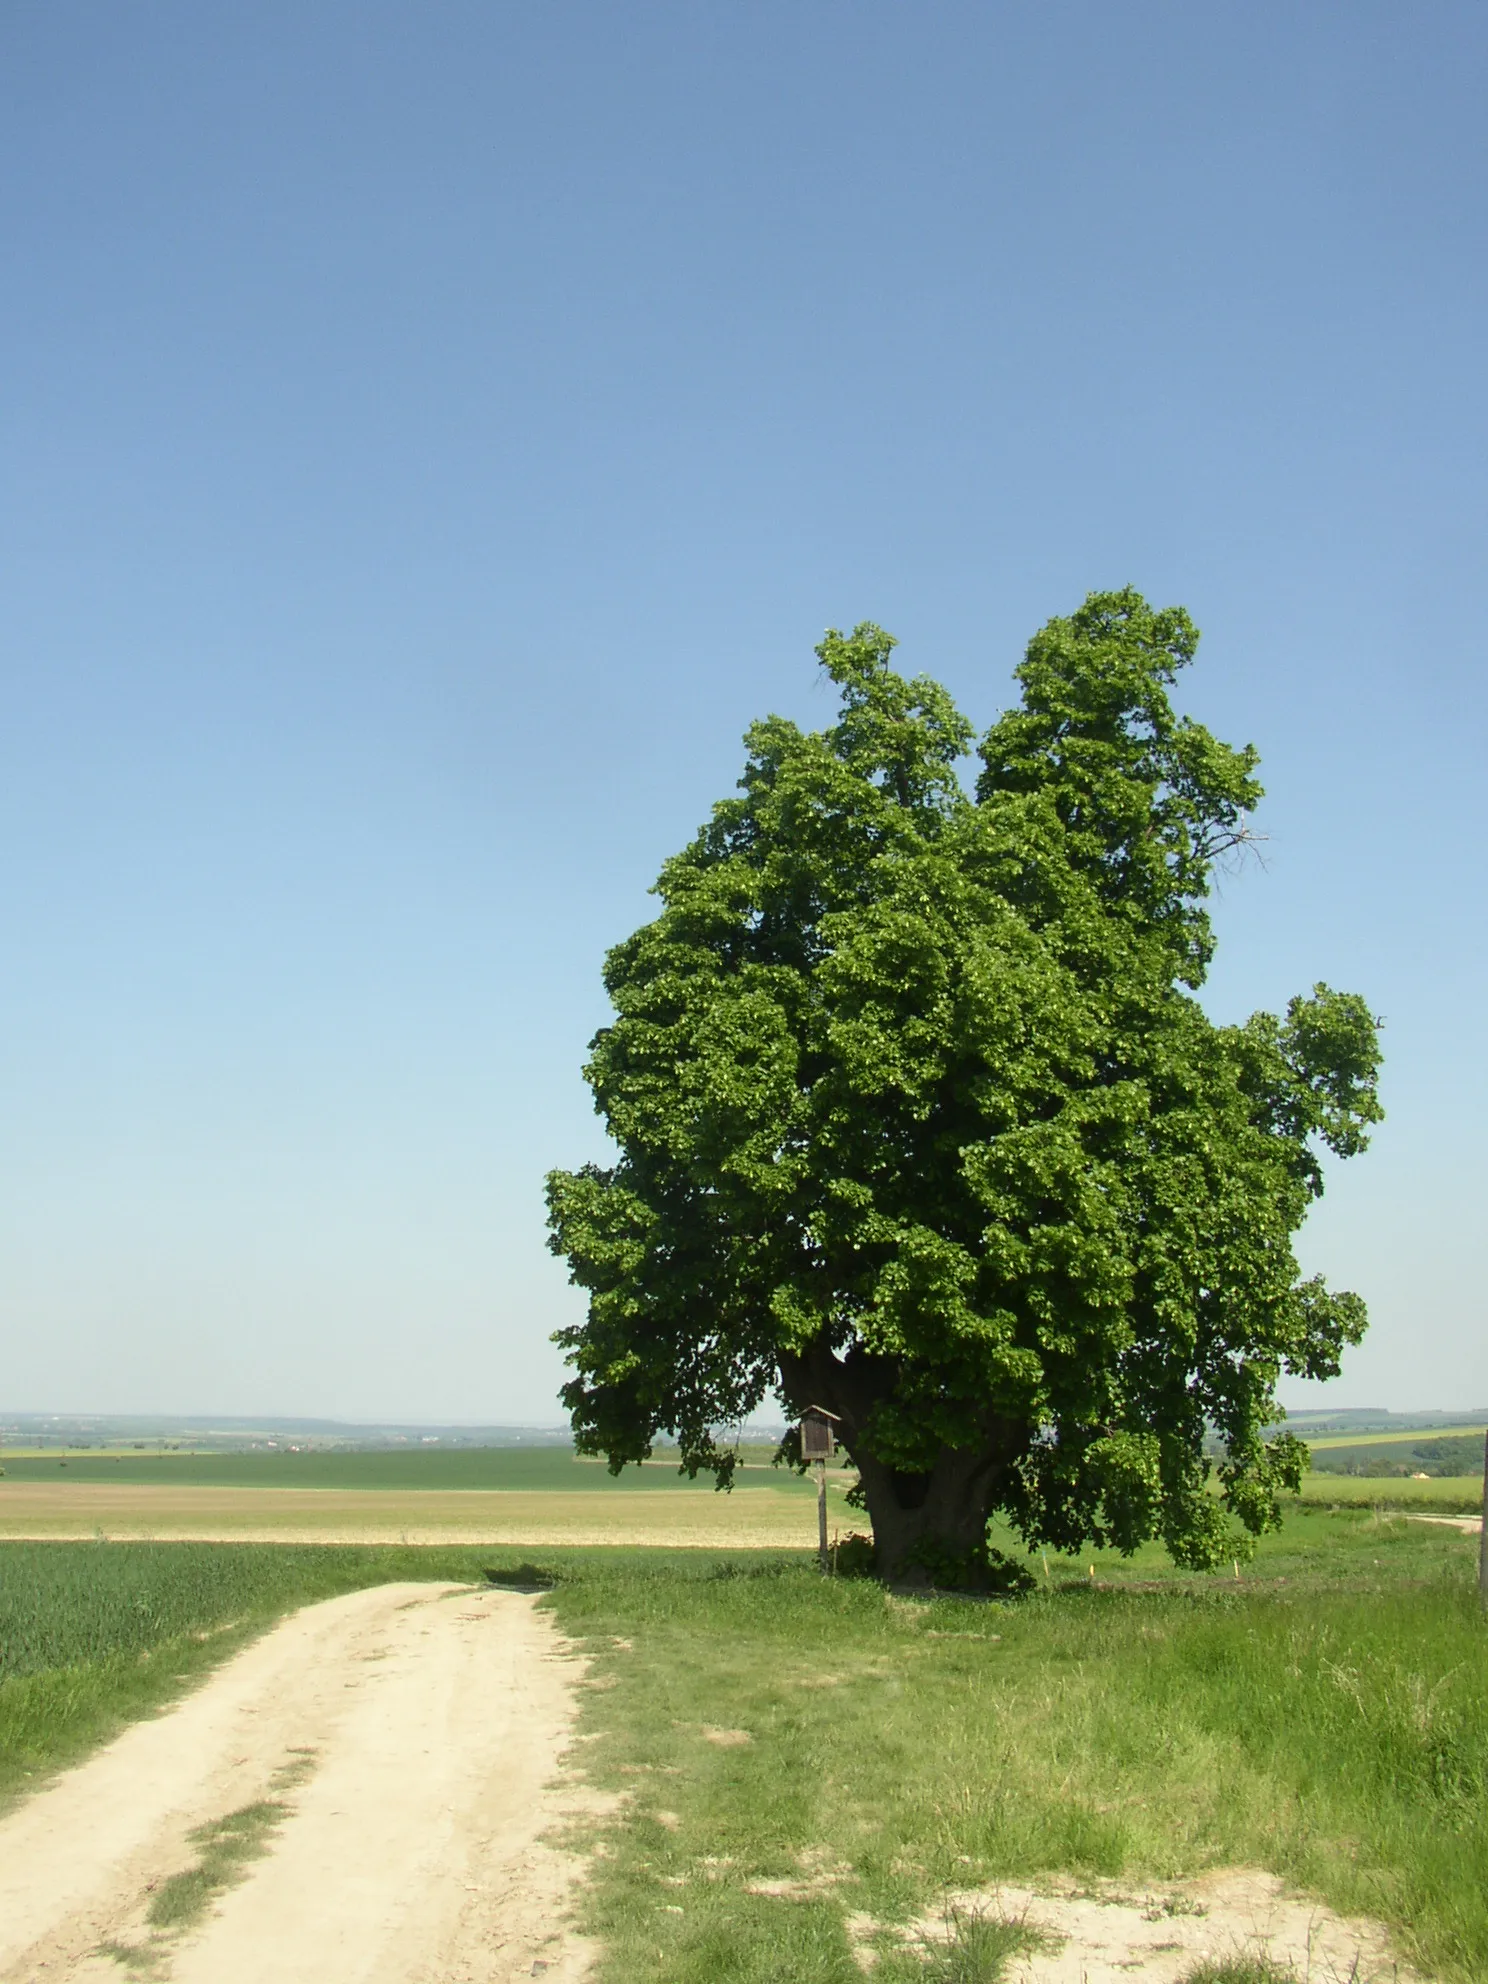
(1332, 1727)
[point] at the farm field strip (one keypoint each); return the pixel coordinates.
(772, 1515)
(1454, 1493)
(694, 1518)
(1324, 1442)
(410, 1472)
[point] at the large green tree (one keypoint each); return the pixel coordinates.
(918, 1119)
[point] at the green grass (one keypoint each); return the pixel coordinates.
(1241, 1970)
(1447, 1494)
(526, 1468)
(1328, 1719)
(976, 1949)
(228, 1845)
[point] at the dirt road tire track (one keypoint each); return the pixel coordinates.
(414, 1851)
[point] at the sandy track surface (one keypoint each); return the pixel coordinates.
(1101, 1934)
(428, 1723)
(677, 1518)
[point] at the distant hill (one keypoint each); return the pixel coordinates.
(223, 1434)
(1372, 1419)
(205, 1433)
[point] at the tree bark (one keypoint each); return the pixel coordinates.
(920, 1520)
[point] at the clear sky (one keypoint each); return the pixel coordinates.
(430, 433)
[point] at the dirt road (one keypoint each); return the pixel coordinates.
(410, 1737)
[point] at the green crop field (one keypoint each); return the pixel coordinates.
(524, 1469)
(1324, 1715)
(1447, 1494)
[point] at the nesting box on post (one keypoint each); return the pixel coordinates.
(818, 1445)
(817, 1442)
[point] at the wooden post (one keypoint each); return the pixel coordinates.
(816, 1445)
(1483, 1535)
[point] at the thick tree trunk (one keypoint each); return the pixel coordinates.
(929, 1523)
(921, 1522)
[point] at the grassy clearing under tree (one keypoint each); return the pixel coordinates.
(1327, 1718)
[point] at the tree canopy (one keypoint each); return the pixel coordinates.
(918, 1119)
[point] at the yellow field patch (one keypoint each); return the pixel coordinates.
(749, 1518)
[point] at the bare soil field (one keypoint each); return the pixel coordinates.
(393, 1756)
(749, 1518)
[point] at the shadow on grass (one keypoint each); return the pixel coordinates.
(520, 1577)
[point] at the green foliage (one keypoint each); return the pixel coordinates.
(853, 1556)
(918, 1118)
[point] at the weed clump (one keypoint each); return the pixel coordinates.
(976, 1949)
(1241, 1970)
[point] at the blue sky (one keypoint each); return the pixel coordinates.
(432, 433)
